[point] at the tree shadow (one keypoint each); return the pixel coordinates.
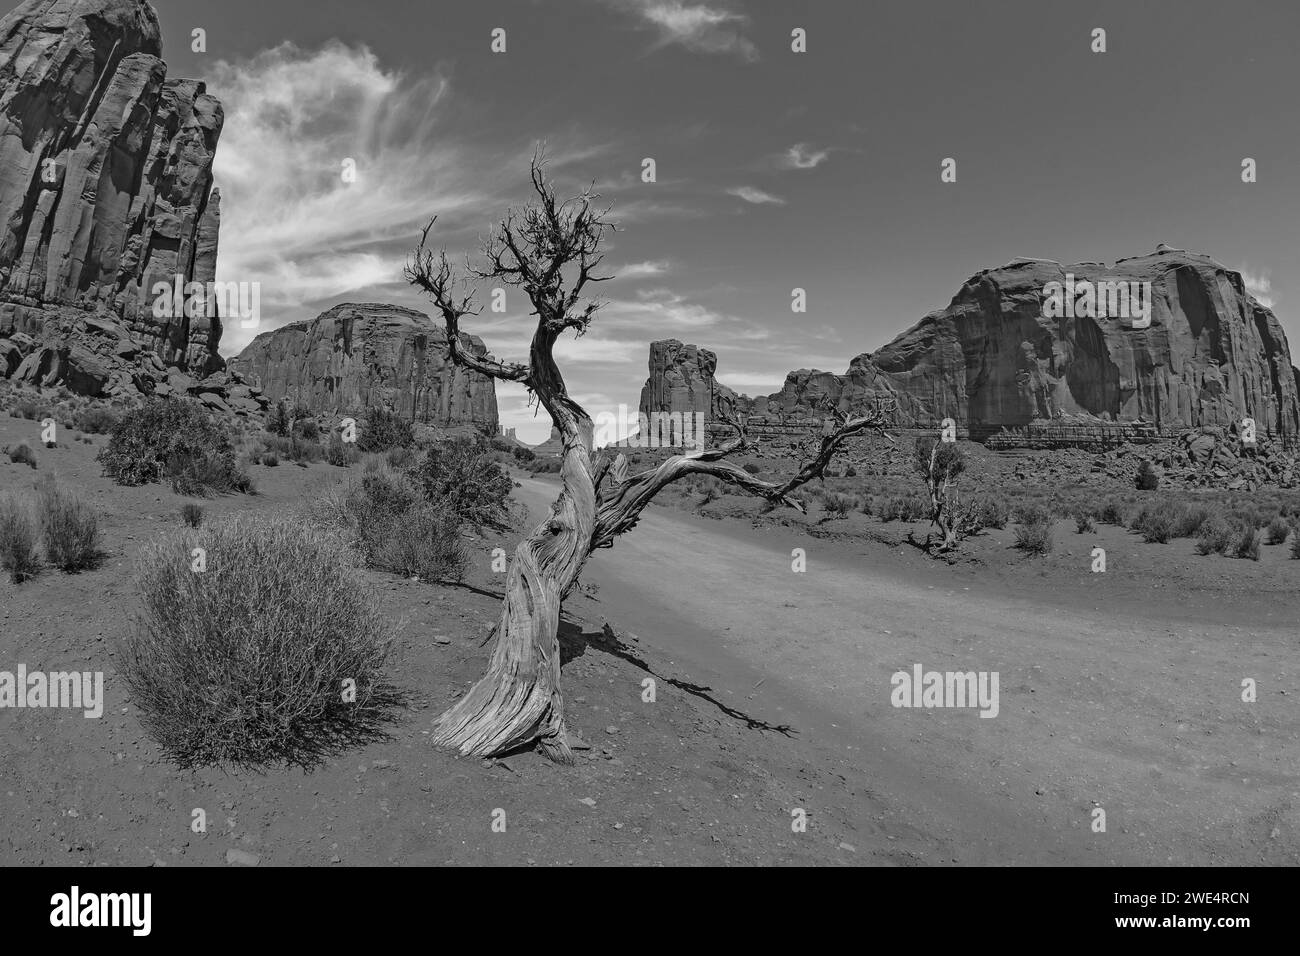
(574, 643)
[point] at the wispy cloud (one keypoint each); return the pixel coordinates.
(642, 270)
(801, 156)
(695, 26)
(1259, 285)
(757, 196)
(290, 218)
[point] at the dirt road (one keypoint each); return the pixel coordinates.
(1139, 717)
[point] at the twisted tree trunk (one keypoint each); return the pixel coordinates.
(518, 700)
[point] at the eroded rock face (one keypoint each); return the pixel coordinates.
(105, 189)
(357, 356)
(681, 380)
(1211, 355)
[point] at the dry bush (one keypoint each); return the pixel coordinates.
(993, 513)
(1084, 522)
(1114, 512)
(176, 440)
(1034, 530)
(839, 505)
(461, 477)
(69, 526)
(340, 453)
(395, 530)
(1214, 536)
(1279, 529)
(276, 653)
(1156, 522)
(18, 539)
(191, 514)
(1246, 543)
(21, 454)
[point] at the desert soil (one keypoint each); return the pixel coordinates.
(772, 693)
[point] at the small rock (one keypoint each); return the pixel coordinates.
(588, 801)
(241, 858)
(611, 729)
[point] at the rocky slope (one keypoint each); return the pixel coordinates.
(356, 356)
(1211, 354)
(105, 189)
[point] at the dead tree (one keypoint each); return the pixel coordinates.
(550, 249)
(939, 464)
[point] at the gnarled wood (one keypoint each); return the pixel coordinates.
(518, 701)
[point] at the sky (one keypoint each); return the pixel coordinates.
(775, 169)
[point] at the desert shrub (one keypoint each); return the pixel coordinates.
(993, 513)
(711, 489)
(223, 679)
(1189, 519)
(200, 473)
(1246, 543)
(890, 509)
(30, 411)
(1278, 530)
(1214, 536)
(69, 527)
(1034, 530)
(192, 514)
(383, 429)
(19, 536)
(544, 466)
(461, 477)
(307, 429)
(1084, 522)
(340, 453)
(914, 508)
(1147, 478)
(98, 420)
(21, 454)
(1113, 512)
(396, 530)
(839, 505)
(173, 439)
(1156, 521)
(402, 456)
(866, 504)
(270, 459)
(751, 467)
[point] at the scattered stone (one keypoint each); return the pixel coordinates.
(241, 858)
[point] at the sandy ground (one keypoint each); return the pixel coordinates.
(772, 693)
(1124, 707)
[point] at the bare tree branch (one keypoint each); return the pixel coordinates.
(434, 274)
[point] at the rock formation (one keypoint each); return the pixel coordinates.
(105, 190)
(681, 380)
(999, 356)
(357, 356)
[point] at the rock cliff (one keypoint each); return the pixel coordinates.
(105, 189)
(356, 356)
(1008, 351)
